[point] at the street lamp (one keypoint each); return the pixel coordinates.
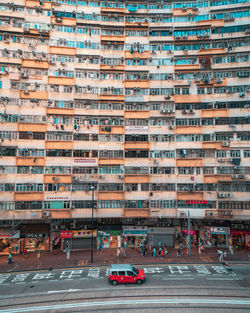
(92, 188)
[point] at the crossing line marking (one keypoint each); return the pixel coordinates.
(129, 302)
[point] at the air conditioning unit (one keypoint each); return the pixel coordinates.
(171, 127)
(46, 213)
(241, 176)
(225, 144)
(101, 176)
(221, 195)
(55, 178)
(167, 97)
(221, 160)
(184, 111)
(210, 214)
(229, 194)
(235, 176)
(120, 176)
(26, 91)
(164, 111)
(75, 178)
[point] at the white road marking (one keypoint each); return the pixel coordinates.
(129, 302)
(63, 291)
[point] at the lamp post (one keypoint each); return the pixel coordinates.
(92, 188)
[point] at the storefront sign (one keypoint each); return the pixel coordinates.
(66, 234)
(161, 230)
(196, 202)
(33, 235)
(134, 230)
(115, 233)
(186, 232)
(240, 232)
(57, 198)
(220, 230)
(84, 233)
(84, 160)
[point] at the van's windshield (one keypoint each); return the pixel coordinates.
(135, 270)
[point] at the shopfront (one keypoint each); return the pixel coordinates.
(77, 239)
(215, 236)
(165, 235)
(9, 241)
(35, 237)
(193, 236)
(240, 239)
(134, 235)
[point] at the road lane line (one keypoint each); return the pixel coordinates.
(128, 302)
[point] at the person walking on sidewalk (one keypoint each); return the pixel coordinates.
(162, 254)
(10, 260)
(159, 252)
(154, 252)
(178, 253)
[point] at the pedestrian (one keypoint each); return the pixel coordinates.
(220, 253)
(166, 251)
(154, 252)
(159, 252)
(38, 256)
(178, 253)
(25, 252)
(162, 254)
(10, 260)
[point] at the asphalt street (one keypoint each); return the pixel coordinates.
(169, 288)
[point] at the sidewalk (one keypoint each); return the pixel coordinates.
(57, 259)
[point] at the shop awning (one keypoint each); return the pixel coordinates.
(5, 233)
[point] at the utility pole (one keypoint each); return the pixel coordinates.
(92, 188)
(189, 235)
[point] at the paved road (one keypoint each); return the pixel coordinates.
(177, 288)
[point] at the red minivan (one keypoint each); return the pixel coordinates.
(125, 273)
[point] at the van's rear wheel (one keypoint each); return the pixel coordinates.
(114, 282)
(139, 281)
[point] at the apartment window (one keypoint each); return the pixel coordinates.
(162, 204)
(29, 205)
(110, 187)
(56, 204)
(29, 187)
(84, 170)
(221, 153)
(59, 153)
(7, 206)
(110, 170)
(185, 91)
(7, 187)
(246, 153)
(110, 204)
(235, 153)
(208, 170)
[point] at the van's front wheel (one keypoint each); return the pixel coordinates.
(139, 281)
(114, 282)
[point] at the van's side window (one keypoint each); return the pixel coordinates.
(130, 273)
(122, 273)
(114, 273)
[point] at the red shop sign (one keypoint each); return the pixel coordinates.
(196, 202)
(66, 234)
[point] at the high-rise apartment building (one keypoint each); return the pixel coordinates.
(146, 101)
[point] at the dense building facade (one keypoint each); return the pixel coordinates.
(147, 102)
